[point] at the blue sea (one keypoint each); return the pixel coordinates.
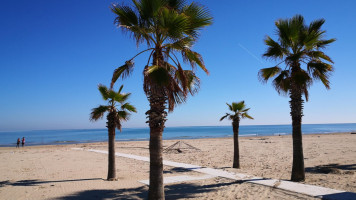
(48, 137)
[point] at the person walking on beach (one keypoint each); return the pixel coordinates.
(23, 141)
(18, 143)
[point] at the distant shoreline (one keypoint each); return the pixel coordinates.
(128, 128)
(60, 143)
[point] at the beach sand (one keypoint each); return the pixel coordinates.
(59, 172)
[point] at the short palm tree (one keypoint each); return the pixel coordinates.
(298, 45)
(239, 111)
(168, 27)
(118, 110)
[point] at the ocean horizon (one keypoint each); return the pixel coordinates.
(74, 136)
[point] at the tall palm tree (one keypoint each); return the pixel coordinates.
(298, 45)
(168, 27)
(118, 110)
(239, 111)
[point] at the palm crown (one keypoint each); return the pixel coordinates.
(239, 111)
(119, 112)
(298, 43)
(168, 27)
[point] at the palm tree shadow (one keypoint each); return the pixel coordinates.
(176, 170)
(332, 168)
(3, 183)
(38, 182)
(177, 191)
(132, 193)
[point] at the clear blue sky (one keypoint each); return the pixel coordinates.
(54, 53)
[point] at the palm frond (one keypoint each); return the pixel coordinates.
(159, 75)
(122, 115)
(283, 32)
(311, 39)
(128, 20)
(103, 91)
(288, 30)
(302, 79)
(125, 15)
(194, 59)
(129, 107)
(98, 112)
(238, 106)
(282, 82)
(120, 89)
(121, 97)
(267, 73)
(324, 43)
(274, 51)
(316, 25)
(319, 54)
(112, 94)
(123, 72)
(118, 126)
(150, 8)
(222, 118)
(321, 71)
(179, 45)
(175, 94)
(175, 4)
(181, 77)
(172, 24)
(245, 110)
(306, 93)
(198, 16)
(193, 82)
(245, 115)
(292, 58)
(230, 107)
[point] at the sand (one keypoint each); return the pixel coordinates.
(59, 172)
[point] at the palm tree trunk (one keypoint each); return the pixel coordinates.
(235, 128)
(296, 105)
(157, 118)
(111, 150)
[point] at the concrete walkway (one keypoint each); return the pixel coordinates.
(311, 190)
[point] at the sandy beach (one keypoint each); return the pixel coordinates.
(59, 172)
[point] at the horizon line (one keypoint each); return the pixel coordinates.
(175, 127)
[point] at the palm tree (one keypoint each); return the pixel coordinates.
(297, 45)
(168, 27)
(116, 114)
(239, 112)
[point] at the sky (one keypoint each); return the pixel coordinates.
(54, 53)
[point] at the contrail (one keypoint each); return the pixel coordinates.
(249, 52)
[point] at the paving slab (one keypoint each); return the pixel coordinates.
(177, 179)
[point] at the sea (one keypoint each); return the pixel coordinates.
(50, 137)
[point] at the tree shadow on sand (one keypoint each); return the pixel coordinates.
(38, 182)
(176, 170)
(177, 191)
(3, 183)
(332, 169)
